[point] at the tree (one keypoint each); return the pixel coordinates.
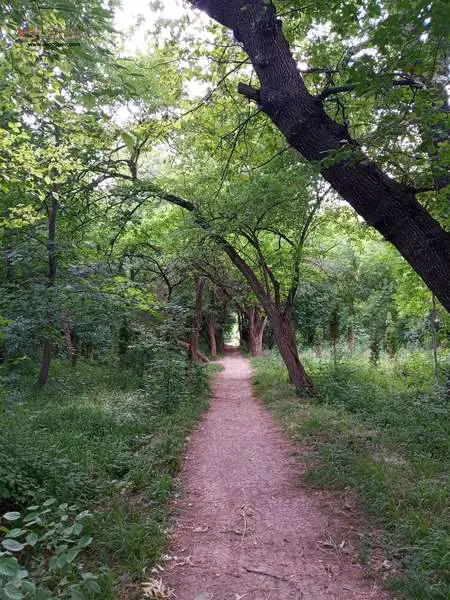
(252, 324)
(197, 320)
(386, 204)
(334, 330)
(390, 337)
(266, 289)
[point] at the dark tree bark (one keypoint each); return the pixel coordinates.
(284, 333)
(197, 322)
(387, 205)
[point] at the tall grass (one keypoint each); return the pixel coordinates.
(98, 438)
(386, 432)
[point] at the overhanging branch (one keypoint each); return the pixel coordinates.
(249, 92)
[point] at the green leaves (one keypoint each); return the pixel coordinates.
(12, 545)
(88, 101)
(129, 140)
(50, 542)
(11, 516)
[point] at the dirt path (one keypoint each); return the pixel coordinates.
(247, 529)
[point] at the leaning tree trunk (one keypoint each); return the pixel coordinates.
(284, 333)
(256, 326)
(196, 325)
(388, 205)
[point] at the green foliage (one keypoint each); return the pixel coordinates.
(384, 431)
(375, 345)
(334, 329)
(42, 553)
(96, 438)
(95, 135)
(391, 337)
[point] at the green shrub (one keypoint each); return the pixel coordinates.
(41, 554)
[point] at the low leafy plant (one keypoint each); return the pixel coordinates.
(41, 551)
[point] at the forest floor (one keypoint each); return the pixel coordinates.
(248, 526)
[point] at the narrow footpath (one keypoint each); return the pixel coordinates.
(246, 527)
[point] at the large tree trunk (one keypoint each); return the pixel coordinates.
(284, 333)
(256, 325)
(387, 205)
(197, 322)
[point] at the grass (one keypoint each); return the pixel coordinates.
(96, 438)
(384, 431)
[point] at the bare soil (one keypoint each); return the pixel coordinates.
(248, 527)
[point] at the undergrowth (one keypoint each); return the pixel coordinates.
(98, 438)
(386, 432)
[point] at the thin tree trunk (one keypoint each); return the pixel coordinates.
(67, 328)
(350, 337)
(199, 287)
(47, 351)
(212, 334)
(389, 206)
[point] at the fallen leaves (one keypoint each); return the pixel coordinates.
(157, 590)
